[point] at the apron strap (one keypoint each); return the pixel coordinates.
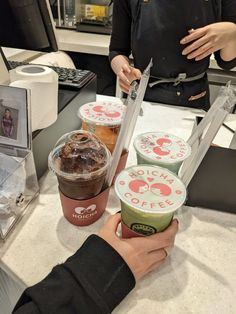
(182, 77)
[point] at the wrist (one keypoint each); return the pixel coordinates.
(118, 62)
(228, 52)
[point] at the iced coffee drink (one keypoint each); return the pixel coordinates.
(80, 162)
(104, 119)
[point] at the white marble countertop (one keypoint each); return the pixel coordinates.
(200, 275)
(69, 40)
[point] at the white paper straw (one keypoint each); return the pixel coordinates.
(134, 102)
(121, 137)
(138, 103)
(187, 175)
(214, 118)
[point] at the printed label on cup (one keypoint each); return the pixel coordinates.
(162, 147)
(84, 213)
(106, 113)
(143, 229)
(150, 189)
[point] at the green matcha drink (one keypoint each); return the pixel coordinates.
(149, 197)
(161, 149)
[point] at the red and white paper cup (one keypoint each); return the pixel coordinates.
(84, 212)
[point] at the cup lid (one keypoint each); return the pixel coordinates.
(150, 189)
(161, 147)
(79, 154)
(102, 112)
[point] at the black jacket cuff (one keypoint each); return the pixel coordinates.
(94, 280)
(105, 274)
(226, 65)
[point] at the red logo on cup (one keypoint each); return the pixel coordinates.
(105, 111)
(160, 189)
(140, 186)
(84, 213)
(162, 149)
(98, 109)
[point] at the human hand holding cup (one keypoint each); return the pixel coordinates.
(142, 255)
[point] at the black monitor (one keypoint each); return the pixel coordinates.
(27, 24)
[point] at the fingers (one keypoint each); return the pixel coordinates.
(159, 240)
(156, 256)
(128, 74)
(113, 222)
(123, 77)
(124, 86)
(136, 73)
(194, 35)
(155, 266)
(153, 261)
(195, 45)
(204, 51)
(108, 230)
(141, 254)
(126, 68)
(205, 54)
(168, 249)
(200, 44)
(119, 62)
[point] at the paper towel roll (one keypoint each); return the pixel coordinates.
(43, 85)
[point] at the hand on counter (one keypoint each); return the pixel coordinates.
(126, 73)
(100, 274)
(142, 254)
(204, 41)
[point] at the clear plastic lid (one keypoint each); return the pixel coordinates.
(102, 112)
(161, 147)
(150, 189)
(79, 154)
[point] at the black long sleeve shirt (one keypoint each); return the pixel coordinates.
(92, 281)
(153, 29)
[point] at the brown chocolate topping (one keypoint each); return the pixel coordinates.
(81, 154)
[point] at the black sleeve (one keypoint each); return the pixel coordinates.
(120, 43)
(94, 280)
(228, 15)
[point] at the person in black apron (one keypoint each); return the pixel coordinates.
(179, 36)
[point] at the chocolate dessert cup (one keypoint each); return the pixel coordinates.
(80, 161)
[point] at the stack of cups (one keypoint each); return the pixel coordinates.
(149, 195)
(161, 149)
(80, 161)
